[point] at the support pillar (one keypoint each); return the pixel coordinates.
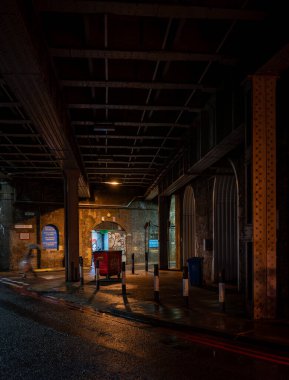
(264, 195)
(71, 224)
(6, 222)
(164, 206)
(178, 231)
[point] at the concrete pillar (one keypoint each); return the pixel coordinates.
(6, 221)
(71, 224)
(164, 211)
(264, 195)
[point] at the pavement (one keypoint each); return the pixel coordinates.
(202, 314)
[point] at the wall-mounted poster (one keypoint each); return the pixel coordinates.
(50, 237)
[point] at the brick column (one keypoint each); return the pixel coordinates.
(71, 224)
(264, 195)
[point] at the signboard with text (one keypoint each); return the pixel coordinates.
(50, 237)
(153, 243)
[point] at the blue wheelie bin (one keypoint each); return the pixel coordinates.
(195, 269)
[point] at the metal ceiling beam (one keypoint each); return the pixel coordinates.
(100, 178)
(139, 85)
(118, 171)
(9, 104)
(30, 160)
(126, 137)
(123, 147)
(25, 66)
(4, 134)
(277, 64)
(131, 107)
(159, 55)
(33, 171)
(121, 180)
(95, 162)
(128, 124)
(32, 168)
(15, 121)
(14, 145)
(148, 10)
(123, 156)
(27, 154)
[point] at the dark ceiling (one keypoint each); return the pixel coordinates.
(114, 88)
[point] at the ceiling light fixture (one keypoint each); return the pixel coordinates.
(113, 183)
(104, 129)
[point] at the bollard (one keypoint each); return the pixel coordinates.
(156, 283)
(146, 261)
(132, 263)
(123, 278)
(222, 290)
(96, 264)
(81, 269)
(185, 285)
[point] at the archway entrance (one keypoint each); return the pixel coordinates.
(172, 235)
(109, 236)
(226, 249)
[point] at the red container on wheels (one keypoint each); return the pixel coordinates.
(109, 262)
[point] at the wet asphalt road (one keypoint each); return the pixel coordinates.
(40, 340)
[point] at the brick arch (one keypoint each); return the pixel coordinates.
(108, 225)
(226, 250)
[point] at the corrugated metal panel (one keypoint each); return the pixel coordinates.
(225, 228)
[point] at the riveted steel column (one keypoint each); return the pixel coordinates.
(264, 195)
(6, 222)
(71, 219)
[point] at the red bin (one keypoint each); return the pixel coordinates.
(109, 262)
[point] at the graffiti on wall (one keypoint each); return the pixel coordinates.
(116, 240)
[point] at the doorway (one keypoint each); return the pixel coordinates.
(109, 236)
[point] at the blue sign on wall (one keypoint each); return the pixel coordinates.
(153, 243)
(49, 237)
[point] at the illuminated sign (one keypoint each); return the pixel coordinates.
(153, 243)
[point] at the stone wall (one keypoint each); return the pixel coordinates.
(131, 219)
(28, 222)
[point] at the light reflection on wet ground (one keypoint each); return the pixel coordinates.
(203, 312)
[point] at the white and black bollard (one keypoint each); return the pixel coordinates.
(123, 278)
(81, 269)
(156, 283)
(97, 282)
(222, 290)
(186, 285)
(132, 263)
